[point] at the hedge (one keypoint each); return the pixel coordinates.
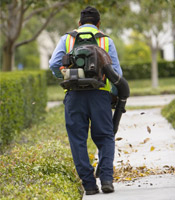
(22, 101)
(42, 168)
(169, 112)
(143, 70)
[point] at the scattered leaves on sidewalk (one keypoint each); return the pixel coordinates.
(127, 173)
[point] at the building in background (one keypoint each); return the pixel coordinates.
(46, 43)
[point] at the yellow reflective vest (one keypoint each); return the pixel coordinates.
(102, 42)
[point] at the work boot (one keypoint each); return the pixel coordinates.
(107, 186)
(91, 191)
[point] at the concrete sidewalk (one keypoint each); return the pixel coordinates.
(155, 100)
(155, 187)
(147, 140)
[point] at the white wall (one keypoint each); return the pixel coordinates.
(47, 43)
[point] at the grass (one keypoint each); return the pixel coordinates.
(39, 165)
(169, 112)
(143, 87)
(55, 93)
(137, 88)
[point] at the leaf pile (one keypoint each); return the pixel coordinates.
(127, 173)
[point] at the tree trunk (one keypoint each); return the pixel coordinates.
(8, 56)
(154, 68)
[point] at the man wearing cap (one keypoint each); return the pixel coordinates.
(89, 105)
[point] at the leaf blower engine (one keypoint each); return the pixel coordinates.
(81, 67)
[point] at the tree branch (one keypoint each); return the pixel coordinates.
(39, 10)
(20, 21)
(39, 31)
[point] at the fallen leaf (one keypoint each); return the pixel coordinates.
(142, 175)
(91, 156)
(125, 152)
(142, 113)
(94, 164)
(166, 166)
(146, 140)
(127, 179)
(148, 129)
(141, 167)
(152, 148)
(118, 139)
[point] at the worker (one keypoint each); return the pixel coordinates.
(89, 107)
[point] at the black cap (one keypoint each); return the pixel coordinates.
(89, 15)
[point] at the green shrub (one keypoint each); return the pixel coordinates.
(169, 112)
(132, 71)
(22, 101)
(39, 164)
(44, 171)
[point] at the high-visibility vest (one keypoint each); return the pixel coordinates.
(102, 42)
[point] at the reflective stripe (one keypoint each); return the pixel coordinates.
(102, 42)
(71, 43)
(67, 43)
(106, 44)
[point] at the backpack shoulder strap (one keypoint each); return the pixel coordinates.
(100, 34)
(97, 35)
(73, 33)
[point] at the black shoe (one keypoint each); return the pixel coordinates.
(92, 191)
(107, 186)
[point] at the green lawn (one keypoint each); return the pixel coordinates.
(137, 87)
(55, 93)
(143, 87)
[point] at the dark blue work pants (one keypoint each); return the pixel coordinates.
(80, 108)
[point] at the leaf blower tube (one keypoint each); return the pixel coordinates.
(123, 93)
